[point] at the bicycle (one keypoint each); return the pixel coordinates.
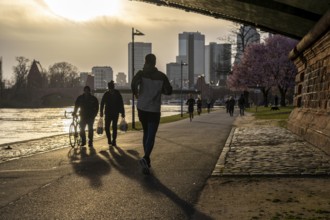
(74, 130)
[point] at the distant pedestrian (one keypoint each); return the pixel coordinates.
(89, 107)
(208, 105)
(231, 106)
(227, 105)
(199, 105)
(241, 105)
(147, 86)
(113, 102)
(191, 102)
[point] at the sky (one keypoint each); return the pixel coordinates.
(89, 33)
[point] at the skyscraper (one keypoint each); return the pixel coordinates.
(173, 72)
(140, 51)
(83, 78)
(217, 62)
(102, 75)
(191, 51)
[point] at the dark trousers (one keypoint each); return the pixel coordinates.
(150, 122)
(241, 109)
(231, 110)
(89, 122)
(107, 121)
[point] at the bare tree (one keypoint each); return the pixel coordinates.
(245, 36)
(62, 75)
(21, 70)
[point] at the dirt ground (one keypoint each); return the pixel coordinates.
(240, 198)
(266, 198)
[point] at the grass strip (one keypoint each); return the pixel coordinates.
(163, 120)
(265, 113)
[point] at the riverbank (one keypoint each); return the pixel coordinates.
(15, 150)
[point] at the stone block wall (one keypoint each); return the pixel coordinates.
(311, 117)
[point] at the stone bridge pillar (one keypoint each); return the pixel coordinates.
(311, 116)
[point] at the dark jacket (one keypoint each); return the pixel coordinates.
(199, 103)
(241, 102)
(231, 103)
(190, 102)
(113, 102)
(88, 104)
(148, 85)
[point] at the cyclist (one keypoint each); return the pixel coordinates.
(89, 107)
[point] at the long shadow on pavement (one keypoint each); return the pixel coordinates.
(89, 165)
(126, 163)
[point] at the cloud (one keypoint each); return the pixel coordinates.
(29, 29)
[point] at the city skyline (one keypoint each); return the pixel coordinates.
(39, 30)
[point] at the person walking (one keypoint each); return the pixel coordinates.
(227, 105)
(241, 105)
(112, 104)
(231, 105)
(148, 85)
(208, 105)
(89, 107)
(191, 102)
(199, 105)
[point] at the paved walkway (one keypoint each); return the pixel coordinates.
(269, 150)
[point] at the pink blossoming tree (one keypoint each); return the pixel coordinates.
(265, 66)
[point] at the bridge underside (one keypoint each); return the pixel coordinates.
(292, 18)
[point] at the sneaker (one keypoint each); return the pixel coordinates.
(114, 143)
(144, 165)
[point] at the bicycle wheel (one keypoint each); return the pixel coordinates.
(72, 135)
(77, 135)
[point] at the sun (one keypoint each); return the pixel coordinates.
(84, 10)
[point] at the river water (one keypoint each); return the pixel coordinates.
(27, 124)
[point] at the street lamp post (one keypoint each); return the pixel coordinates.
(182, 64)
(138, 33)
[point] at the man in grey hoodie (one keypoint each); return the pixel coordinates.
(148, 85)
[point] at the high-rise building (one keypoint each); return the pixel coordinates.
(191, 51)
(102, 75)
(246, 35)
(140, 51)
(83, 78)
(173, 72)
(217, 63)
